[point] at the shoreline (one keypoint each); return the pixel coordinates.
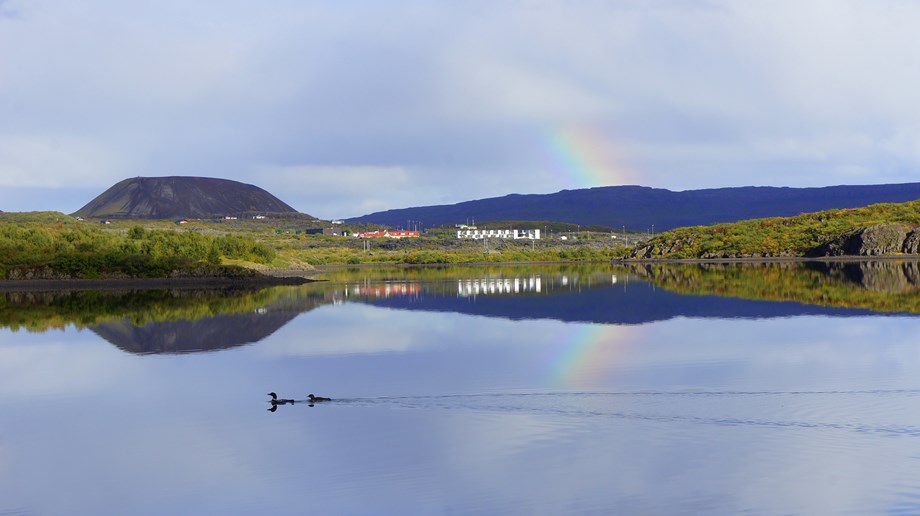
(776, 259)
(319, 269)
(291, 277)
(148, 283)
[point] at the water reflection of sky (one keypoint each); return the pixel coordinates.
(87, 427)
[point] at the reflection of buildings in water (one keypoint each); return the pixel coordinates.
(385, 290)
(472, 286)
(466, 287)
(493, 286)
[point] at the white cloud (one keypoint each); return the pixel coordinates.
(55, 161)
(336, 191)
(415, 103)
(341, 191)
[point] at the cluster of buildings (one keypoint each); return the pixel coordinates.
(471, 232)
(391, 233)
(463, 232)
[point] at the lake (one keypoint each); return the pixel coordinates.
(581, 389)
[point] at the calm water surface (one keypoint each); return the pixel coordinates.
(550, 390)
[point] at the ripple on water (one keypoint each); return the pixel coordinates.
(795, 452)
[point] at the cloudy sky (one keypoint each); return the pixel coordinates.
(345, 107)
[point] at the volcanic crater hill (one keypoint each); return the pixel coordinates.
(182, 197)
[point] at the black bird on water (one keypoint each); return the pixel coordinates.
(317, 399)
(276, 401)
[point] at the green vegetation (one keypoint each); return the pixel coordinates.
(447, 275)
(69, 248)
(53, 245)
(774, 237)
(441, 249)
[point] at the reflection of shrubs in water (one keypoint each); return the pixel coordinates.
(42, 311)
(883, 286)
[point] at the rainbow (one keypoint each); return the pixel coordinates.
(589, 157)
(587, 354)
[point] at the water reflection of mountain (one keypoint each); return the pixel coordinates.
(652, 292)
(184, 336)
(635, 302)
(165, 320)
(216, 331)
(182, 321)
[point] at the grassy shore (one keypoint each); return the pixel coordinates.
(776, 237)
(57, 247)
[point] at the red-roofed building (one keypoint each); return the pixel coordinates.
(388, 234)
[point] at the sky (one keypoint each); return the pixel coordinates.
(346, 107)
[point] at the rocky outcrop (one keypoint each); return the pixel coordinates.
(894, 239)
(912, 242)
(664, 248)
(36, 273)
(877, 240)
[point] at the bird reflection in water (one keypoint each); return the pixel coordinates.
(311, 400)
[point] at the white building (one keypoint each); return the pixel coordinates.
(514, 234)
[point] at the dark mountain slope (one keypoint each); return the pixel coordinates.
(640, 208)
(181, 197)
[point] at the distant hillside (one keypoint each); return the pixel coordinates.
(181, 197)
(640, 208)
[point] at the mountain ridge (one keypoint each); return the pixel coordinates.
(641, 207)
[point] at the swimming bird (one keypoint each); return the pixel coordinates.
(276, 401)
(314, 399)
